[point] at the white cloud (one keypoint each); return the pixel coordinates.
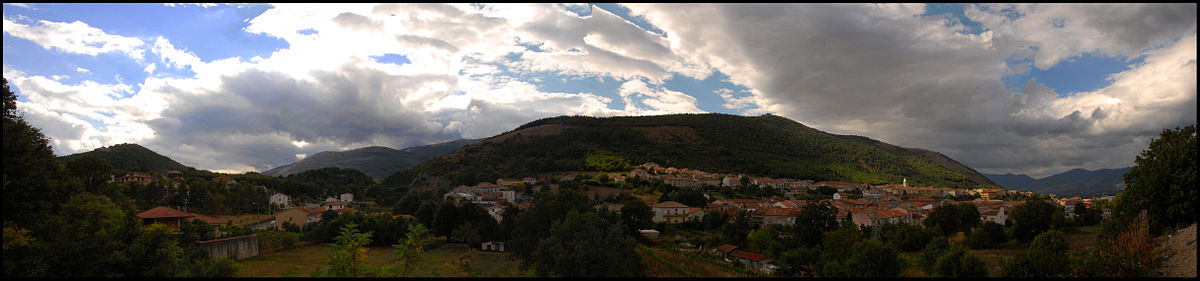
(75, 37)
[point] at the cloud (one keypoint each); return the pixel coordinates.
(75, 37)
(884, 72)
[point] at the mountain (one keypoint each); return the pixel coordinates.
(1010, 180)
(132, 157)
(1071, 183)
(375, 161)
(766, 145)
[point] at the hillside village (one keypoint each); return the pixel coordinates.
(862, 204)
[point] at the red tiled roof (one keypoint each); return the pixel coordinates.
(163, 212)
(670, 204)
(749, 255)
(726, 248)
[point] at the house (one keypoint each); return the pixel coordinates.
(280, 199)
(334, 206)
(649, 233)
(173, 217)
(347, 197)
(998, 215)
(724, 251)
(670, 212)
(619, 179)
(841, 196)
(136, 177)
(497, 212)
(529, 181)
(752, 260)
(493, 246)
(777, 215)
(299, 216)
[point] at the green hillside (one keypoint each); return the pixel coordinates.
(765, 145)
(132, 157)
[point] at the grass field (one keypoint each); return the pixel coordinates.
(440, 262)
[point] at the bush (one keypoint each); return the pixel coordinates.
(959, 262)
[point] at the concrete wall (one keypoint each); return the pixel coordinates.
(236, 248)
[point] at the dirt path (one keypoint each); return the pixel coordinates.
(1181, 252)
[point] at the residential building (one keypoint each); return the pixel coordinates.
(174, 218)
(299, 216)
(671, 212)
(136, 177)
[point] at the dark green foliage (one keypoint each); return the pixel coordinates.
(324, 182)
(737, 232)
(813, 222)
(128, 157)
(90, 170)
(765, 145)
(929, 256)
(960, 262)
(195, 230)
(1086, 216)
(205, 267)
(534, 224)
(1035, 217)
(1164, 181)
(1047, 257)
(34, 182)
(601, 251)
(872, 258)
(987, 236)
(636, 214)
(910, 238)
(949, 219)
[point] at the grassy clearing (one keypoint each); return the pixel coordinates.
(440, 262)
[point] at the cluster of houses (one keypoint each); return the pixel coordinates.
(492, 196)
(307, 213)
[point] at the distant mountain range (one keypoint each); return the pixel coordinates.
(1069, 183)
(375, 161)
(128, 157)
(766, 145)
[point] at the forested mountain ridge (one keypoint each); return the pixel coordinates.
(132, 157)
(766, 145)
(1069, 183)
(375, 161)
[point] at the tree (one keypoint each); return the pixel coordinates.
(1033, 218)
(412, 246)
(909, 238)
(987, 236)
(603, 251)
(953, 218)
(813, 221)
(1047, 257)
(871, 258)
(34, 182)
(349, 252)
(1163, 181)
(534, 224)
(91, 170)
(155, 253)
(929, 256)
(636, 214)
(960, 262)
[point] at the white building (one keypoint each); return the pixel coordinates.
(347, 197)
(280, 199)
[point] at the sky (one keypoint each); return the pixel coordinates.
(1034, 89)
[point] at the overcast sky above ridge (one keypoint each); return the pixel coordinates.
(1036, 89)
